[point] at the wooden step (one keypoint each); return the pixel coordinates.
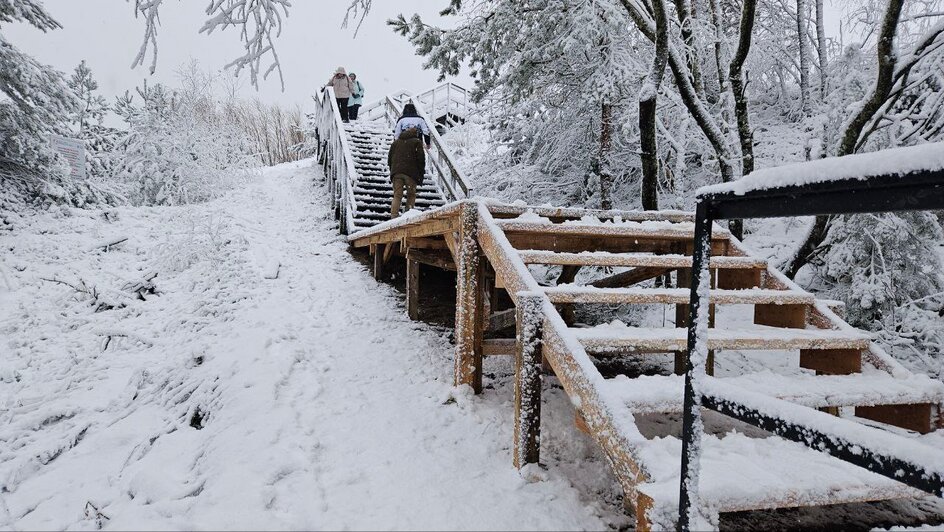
(570, 293)
(739, 473)
(635, 260)
(618, 338)
(663, 394)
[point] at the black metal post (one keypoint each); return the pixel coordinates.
(691, 418)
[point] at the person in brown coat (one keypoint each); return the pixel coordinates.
(343, 88)
(407, 162)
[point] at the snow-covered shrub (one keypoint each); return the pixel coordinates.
(887, 269)
(178, 147)
(203, 240)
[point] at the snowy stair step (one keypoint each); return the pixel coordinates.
(739, 473)
(663, 394)
(573, 293)
(618, 338)
(635, 260)
(648, 230)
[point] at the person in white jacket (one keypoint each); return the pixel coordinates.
(411, 119)
(343, 88)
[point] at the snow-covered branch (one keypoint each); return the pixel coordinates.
(259, 23)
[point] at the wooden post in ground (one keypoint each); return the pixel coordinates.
(412, 288)
(469, 302)
(378, 261)
(528, 379)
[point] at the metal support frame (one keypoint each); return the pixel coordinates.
(923, 190)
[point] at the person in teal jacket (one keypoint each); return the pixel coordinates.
(357, 98)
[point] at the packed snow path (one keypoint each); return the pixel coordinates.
(320, 405)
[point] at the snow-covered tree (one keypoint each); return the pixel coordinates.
(92, 106)
(87, 122)
(35, 101)
(178, 148)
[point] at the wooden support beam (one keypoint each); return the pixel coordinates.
(412, 289)
(528, 363)
(832, 361)
(469, 302)
(781, 315)
(378, 261)
(630, 277)
(730, 279)
(426, 243)
(389, 250)
(915, 417)
(567, 276)
(498, 347)
(502, 319)
(436, 259)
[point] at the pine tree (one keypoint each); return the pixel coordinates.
(92, 106)
(36, 103)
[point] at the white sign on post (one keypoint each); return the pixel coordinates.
(73, 151)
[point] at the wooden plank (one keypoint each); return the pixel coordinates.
(528, 360)
(412, 288)
(790, 316)
(731, 279)
(678, 296)
(436, 259)
(633, 260)
(498, 347)
(645, 340)
(426, 243)
(832, 361)
(560, 214)
(426, 229)
(502, 320)
(469, 303)
(666, 232)
(631, 277)
(916, 417)
(578, 243)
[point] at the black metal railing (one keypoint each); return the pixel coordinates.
(916, 190)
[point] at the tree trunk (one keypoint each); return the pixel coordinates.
(647, 111)
(887, 60)
(604, 170)
(821, 49)
(804, 57)
(692, 55)
(738, 86)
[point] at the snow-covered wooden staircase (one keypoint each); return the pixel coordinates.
(373, 192)
(354, 158)
(796, 347)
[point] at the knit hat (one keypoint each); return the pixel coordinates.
(340, 70)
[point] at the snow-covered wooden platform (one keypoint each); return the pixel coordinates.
(494, 249)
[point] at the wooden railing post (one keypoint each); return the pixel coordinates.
(412, 288)
(469, 302)
(530, 322)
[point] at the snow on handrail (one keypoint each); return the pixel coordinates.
(891, 162)
(335, 132)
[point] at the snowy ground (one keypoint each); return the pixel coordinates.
(231, 400)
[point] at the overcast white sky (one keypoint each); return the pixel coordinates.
(106, 34)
